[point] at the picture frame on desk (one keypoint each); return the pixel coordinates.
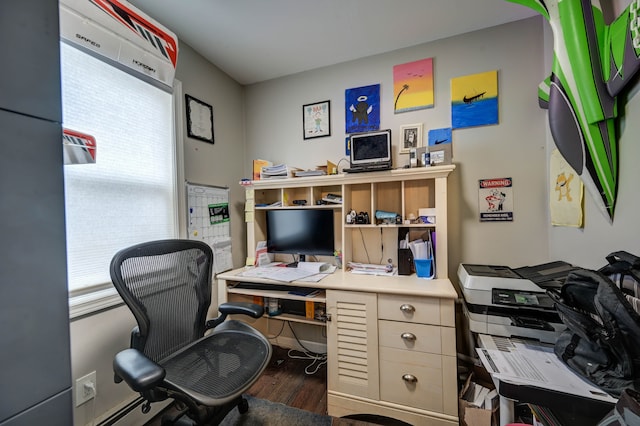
(199, 119)
(316, 120)
(410, 137)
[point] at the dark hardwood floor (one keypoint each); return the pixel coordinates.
(286, 381)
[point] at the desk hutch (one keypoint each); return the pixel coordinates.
(391, 340)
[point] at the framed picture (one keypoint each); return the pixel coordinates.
(316, 121)
(410, 137)
(199, 119)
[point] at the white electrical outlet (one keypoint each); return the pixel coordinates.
(86, 388)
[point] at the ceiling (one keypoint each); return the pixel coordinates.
(258, 40)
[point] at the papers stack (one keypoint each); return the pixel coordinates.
(371, 269)
(278, 171)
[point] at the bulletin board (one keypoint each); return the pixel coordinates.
(209, 220)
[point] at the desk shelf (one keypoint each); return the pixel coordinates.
(403, 191)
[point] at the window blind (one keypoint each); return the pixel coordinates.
(129, 195)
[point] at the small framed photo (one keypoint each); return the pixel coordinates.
(199, 119)
(410, 137)
(316, 120)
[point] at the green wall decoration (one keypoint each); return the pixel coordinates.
(593, 62)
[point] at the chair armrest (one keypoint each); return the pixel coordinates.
(235, 308)
(140, 373)
(241, 308)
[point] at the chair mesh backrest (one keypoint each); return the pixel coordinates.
(167, 286)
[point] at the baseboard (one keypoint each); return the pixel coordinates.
(129, 413)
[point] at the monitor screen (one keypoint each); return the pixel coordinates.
(372, 147)
(300, 231)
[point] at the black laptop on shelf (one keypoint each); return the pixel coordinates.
(370, 152)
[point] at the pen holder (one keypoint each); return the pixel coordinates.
(424, 268)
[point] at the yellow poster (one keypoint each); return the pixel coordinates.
(566, 193)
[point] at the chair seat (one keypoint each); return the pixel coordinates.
(218, 367)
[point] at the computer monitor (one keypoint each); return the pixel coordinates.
(371, 148)
(300, 231)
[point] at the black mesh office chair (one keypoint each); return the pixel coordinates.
(167, 285)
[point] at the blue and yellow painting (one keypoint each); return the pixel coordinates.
(362, 112)
(474, 100)
(439, 136)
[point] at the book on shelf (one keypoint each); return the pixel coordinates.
(257, 167)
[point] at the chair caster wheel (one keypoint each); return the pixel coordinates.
(243, 406)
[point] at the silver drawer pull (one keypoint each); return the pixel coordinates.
(407, 309)
(408, 336)
(409, 378)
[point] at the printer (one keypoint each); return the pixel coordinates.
(501, 301)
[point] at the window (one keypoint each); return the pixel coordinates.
(129, 195)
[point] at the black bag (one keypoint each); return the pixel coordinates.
(602, 339)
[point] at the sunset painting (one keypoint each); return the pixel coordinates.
(413, 85)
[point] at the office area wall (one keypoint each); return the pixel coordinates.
(95, 339)
(514, 148)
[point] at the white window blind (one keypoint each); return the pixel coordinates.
(129, 195)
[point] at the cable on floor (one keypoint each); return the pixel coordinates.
(317, 359)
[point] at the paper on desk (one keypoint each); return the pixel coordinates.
(276, 273)
(536, 365)
(317, 267)
(371, 269)
(304, 270)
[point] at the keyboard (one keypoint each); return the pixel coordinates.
(301, 291)
(372, 168)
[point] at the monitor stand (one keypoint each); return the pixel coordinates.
(301, 258)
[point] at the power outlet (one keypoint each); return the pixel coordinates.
(86, 388)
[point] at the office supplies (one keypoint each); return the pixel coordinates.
(305, 173)
(370, 151)
(257, 167)
(509, 302)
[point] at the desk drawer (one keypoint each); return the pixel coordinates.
(422, 310)
(426, 392)
(417, 337)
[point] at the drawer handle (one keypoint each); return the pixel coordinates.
(407, 309)
(408, 336)
(409, 378)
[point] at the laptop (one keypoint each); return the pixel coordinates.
(370, 152)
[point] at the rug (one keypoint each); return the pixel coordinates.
(267, 413)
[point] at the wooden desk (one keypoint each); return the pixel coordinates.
(391, 344)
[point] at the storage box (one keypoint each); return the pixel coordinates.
(471, 415)
(424, 268)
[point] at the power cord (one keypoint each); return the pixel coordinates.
(365, 244)
(279, 332)
(317, 359)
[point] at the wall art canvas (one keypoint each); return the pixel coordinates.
(362, 109)
(474, 100)
(439, 136)
(413, 86)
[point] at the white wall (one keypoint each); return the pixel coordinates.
(514, 148)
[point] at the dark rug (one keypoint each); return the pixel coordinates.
(267, 413)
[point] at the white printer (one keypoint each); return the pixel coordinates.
(501, 301)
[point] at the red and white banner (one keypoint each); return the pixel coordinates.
(78, 148)
(118, 31)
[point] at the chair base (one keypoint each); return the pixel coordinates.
(181, 415)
